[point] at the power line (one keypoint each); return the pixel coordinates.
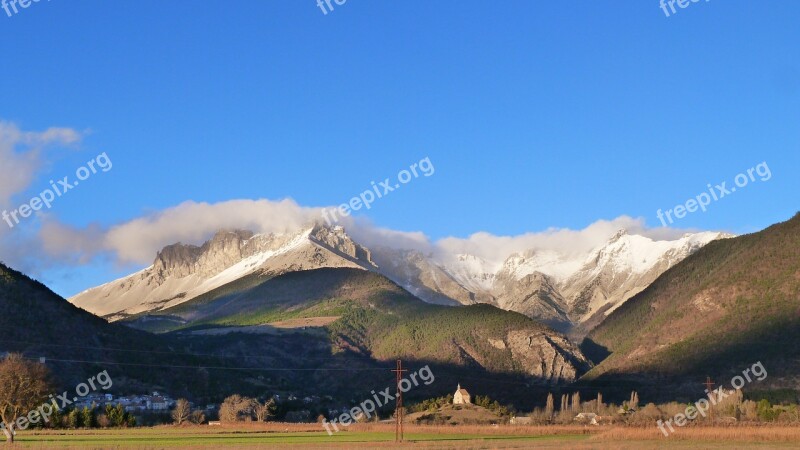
(161, 352)
(167, 366)
(594, 385)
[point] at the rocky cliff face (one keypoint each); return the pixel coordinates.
(335, 239)
(534, 295)
(182, 272)
(547, 356)
(227, 248)
(220, 252)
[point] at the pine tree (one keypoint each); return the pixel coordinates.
(73, 419)
(121, 415)
(110, 412)
(117, 417)
(87, 417)
(56, 420)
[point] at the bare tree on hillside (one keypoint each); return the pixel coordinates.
(236, 408)
(264, 411)
(23, 388)
(181, 412)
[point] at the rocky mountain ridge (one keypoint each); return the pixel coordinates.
(181, 272)
(560, 289)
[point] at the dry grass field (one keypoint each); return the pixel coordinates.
(364, 436)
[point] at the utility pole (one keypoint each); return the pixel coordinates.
(398, 409)
(709, 384)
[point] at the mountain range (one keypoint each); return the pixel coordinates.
(567, 291)
(354, 324)
(314, 301)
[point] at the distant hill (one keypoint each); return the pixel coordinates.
(39, 323)
(372, 316)
(732, 303)
(456, 415)
(76, 344)
(369, 321)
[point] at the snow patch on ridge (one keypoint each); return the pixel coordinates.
(471, 271)
(250, 264)
(548, 262)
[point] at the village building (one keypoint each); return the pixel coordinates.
(461, 397)
(158, 403)
(590, 418)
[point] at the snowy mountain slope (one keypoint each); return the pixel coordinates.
(182, 272)
(623, 267)
(560, 289)
(423, 277)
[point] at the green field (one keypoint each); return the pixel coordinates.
(191, 438)
(418, 437)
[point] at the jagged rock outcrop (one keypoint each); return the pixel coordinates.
(533, 295)
(547, 356)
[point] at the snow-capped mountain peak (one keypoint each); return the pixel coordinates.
(182, 272)
(472, 272)
(556, 286)
(560, 287)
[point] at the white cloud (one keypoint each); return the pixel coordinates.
(68, 243)
(21, 156)
(49, 242)
(564, 240)
(138, 240)
(366, 233)
(22, 160)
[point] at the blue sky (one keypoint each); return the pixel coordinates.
(535, 115)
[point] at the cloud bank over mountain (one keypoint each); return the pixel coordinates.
(47, 241)
(137, 240)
